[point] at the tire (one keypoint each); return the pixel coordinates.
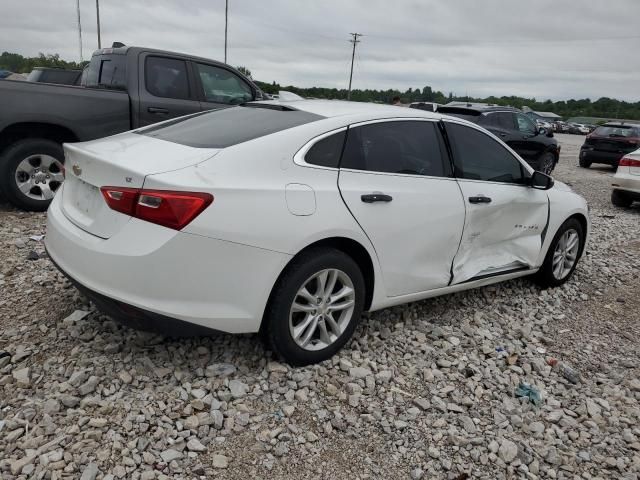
(619, 199)
(281, 319)
(545, 277)
(45, 156)
(584, 163)
(547, 163)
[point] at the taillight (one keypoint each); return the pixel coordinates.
(629, 162)
(172, 209)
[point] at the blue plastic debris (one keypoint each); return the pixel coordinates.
(530, 392)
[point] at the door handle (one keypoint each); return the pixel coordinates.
(479, 199)
(161, 111)
(502, 135)
(376, 197)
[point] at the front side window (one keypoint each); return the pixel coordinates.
(222, 86)
(167, 78)
(326, 152)
(525, 124)
(402, 147)
(477, 156)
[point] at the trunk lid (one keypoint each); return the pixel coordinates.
(122, 160)
(612, 144)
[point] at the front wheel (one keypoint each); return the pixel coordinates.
(547, 163)
(563, 254)
(31, 172)
(315, 306)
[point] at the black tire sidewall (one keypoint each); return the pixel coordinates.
(619, 199)
(11, 158)
(545, 277)
(277, 314)
(542, 162)
(584, 163)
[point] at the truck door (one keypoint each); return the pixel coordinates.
(167, 89)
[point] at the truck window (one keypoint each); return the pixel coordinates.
(106, 71)
(166, 77)
(222, 86)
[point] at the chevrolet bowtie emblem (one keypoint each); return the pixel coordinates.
(77, 170)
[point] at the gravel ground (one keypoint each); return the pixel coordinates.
(425, 390)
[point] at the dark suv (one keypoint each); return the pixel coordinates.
(609, 143)
(535, 145)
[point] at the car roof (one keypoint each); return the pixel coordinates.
(340, 108)
(476, 109)
(621, 124)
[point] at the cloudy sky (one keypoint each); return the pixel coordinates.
(556, 49)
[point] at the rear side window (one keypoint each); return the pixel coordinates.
(502, 120)
(326, 152)
(477, 156)
(167, 77)
(106, 71)
(405, 147)
(228, 126)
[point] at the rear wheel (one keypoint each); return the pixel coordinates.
(562, 257)
(584, 163)
(31, 172)
(315, 306)
(619, 199)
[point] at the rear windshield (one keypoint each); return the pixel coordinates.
(107, 71)
(229, 126)
(617, 131)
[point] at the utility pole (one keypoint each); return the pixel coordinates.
(98, 20)
(226, 26)
(79, 29)
(355, 41)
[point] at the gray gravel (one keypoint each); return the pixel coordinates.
(423, 391)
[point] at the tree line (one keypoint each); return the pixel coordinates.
(604, 107)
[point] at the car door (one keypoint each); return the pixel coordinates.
(220, 87)
(167, 89)
(396, 182)
(527, 142)
(505, 218)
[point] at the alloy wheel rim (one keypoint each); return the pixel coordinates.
(547, 166)
(39, 176)
(565, 254)
(322, 309)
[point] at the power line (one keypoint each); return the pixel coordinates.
(355, 41)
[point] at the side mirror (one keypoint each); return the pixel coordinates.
(540, 181)
(541, 131)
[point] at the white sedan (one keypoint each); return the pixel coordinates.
(292, 218)
(626, 181)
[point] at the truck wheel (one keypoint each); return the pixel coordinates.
(31, 171)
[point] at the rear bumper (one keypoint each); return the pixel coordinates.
(625, 182)
(598, 156)
(149, 276)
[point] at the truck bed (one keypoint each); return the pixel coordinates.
(87, 112)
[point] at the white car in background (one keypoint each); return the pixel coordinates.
(293, 217)
(626, 181)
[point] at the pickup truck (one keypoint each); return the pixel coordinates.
(123, 88)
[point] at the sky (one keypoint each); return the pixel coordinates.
(556, 49)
